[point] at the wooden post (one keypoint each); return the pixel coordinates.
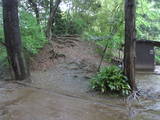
(130, 42)
(13, 39)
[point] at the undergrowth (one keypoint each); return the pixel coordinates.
(111, 79)
(32, 35)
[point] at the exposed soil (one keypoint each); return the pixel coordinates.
(67, 49)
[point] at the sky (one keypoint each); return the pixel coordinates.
(65, 6)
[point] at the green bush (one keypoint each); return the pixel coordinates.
(111, 79)
(75, 25)
(157, 58)
(32, 35)
(68, 24)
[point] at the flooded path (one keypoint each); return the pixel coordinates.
(32, 104)
(62, 92)
(148, 107)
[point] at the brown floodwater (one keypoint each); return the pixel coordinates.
(63, 93)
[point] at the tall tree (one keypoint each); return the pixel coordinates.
(51, 6)
(51, 18)
(13, 39)
(130, 42)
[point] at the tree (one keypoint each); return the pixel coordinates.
(130, 42)
(51, 19)
(13, 39)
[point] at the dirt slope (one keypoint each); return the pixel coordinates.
(67, 49)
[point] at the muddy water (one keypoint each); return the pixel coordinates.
(148, 107)
(63, 93)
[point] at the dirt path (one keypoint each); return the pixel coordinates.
(59, 89)
(68, 67)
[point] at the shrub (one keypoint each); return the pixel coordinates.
(157, 57)
(111, 79)
(68, 24)
(32, 35)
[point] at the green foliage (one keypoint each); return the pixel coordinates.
(76, 24)
(68, 24)
(111, 79)
(108, 25)
(32, 35)
(1, 33)
(59, 26)
(3, 53)
(157, 55)
(157, 59)
(87, 6)
(148, 20)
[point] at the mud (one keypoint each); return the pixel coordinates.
(61, 92)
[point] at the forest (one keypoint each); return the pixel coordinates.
(92, 43)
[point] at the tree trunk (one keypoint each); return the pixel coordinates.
(130, 42)
(51, 6)
(51, 19)
(35, 8)
(13, 39)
